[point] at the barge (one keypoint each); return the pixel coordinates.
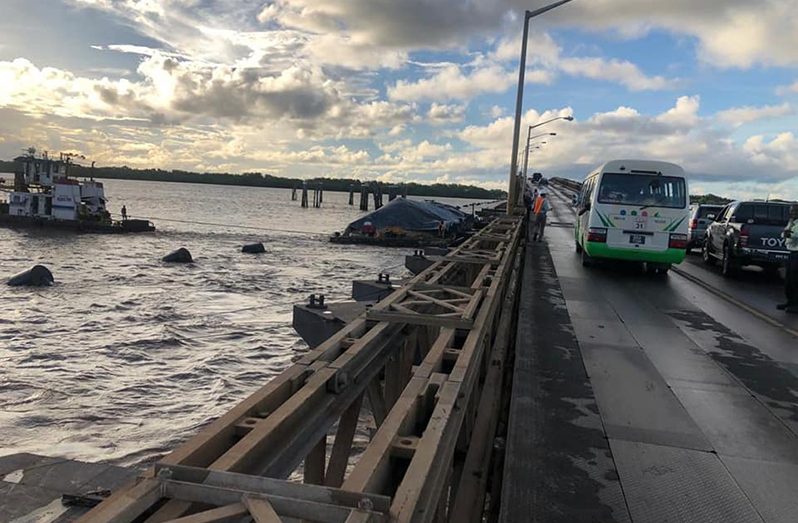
(408, 223)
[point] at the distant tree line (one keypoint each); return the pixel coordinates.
(256, 179)
(708, 199)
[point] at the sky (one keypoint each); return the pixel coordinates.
(407, 90)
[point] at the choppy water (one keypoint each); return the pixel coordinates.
(126, 356)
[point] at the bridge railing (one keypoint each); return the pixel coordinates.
(423, 366)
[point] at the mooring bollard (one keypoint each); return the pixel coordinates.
(181, 255)
(316, 302)
(37, 276)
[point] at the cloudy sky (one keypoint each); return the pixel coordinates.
(420, 90)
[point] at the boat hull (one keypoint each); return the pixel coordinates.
(80, 226)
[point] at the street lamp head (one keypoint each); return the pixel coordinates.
(569, 118)
(552, 134)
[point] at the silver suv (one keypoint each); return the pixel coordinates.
(700, 217)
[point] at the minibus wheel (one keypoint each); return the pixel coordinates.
(587, 260)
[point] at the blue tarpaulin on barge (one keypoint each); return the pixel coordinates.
(412, 216)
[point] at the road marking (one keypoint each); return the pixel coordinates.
(734, 301)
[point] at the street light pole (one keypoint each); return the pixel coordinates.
(526, 149)
(526, 159)
(519, 101)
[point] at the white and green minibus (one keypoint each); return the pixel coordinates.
(634, 210)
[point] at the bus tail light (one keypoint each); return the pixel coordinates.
(678, 241)
(597, 234)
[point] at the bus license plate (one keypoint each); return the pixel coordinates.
(637, 239)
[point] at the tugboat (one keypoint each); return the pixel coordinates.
(44, 196)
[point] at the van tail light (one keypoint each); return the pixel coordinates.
(677, 241)
(693, 225)
(744, 233)
(597, 234)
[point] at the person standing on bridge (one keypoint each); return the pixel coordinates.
(791, 281)
(540, 209)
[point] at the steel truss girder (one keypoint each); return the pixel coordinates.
(449, 331)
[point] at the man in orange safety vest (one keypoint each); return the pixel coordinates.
(539, 210)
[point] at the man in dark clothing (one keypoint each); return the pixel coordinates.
(791, 281)
(528, 200)
(124, 212)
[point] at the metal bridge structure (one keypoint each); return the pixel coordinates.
(424, 366)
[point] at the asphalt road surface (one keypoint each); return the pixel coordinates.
(687, 382)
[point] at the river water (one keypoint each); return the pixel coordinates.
(125, 357)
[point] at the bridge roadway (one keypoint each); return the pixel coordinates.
(649, 399)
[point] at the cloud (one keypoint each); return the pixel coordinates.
(729, 33)
(738, 116)
(779, 154)
(616, 71)
(678, 134)
(450, 83)
(787, 89)
(407, 24)
(544, 52)
(169, 91)
(439, 114)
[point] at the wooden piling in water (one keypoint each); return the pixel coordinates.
(304, 194)
(293, 193)
(351, 194)
(377, 191)
(364, 197)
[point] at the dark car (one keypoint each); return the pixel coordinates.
(748, 233)
(700, 216)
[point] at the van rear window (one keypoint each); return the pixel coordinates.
(643, 189)
(762, 213)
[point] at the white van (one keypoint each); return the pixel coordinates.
(634, 210)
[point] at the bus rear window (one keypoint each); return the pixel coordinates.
(643, 189)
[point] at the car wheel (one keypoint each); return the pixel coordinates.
(728, 265)
(706, 255)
